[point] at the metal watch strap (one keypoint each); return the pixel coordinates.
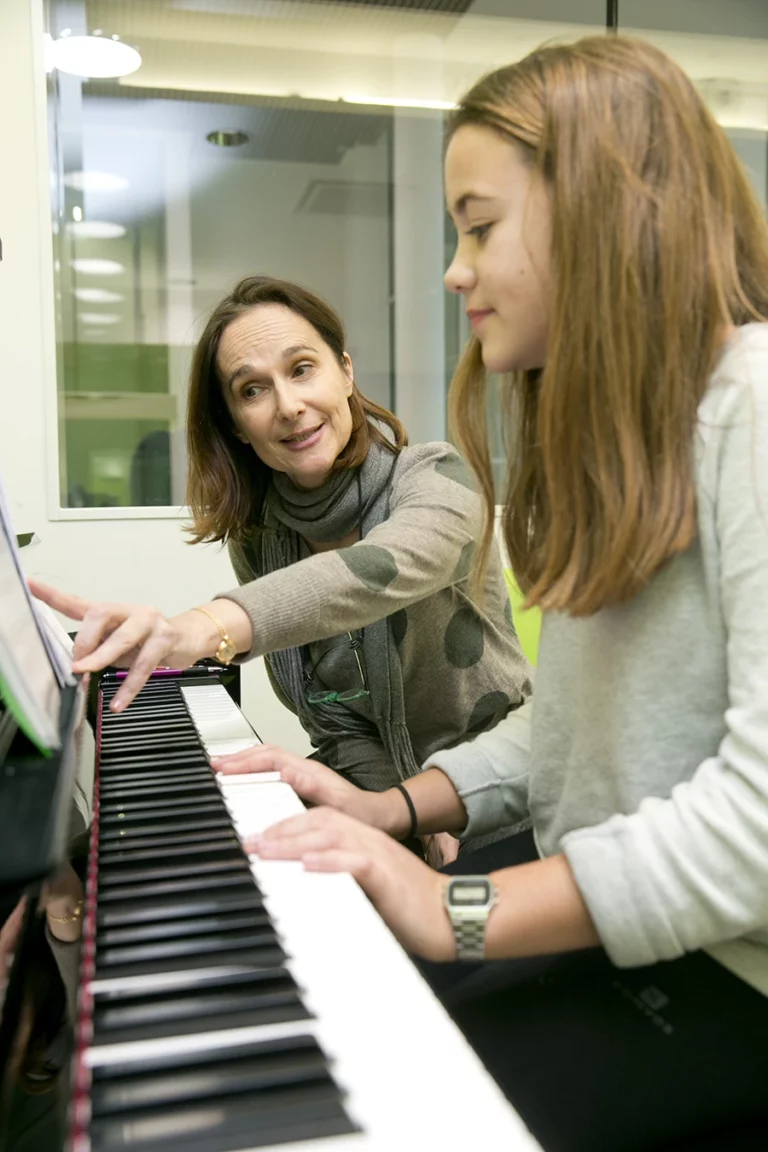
(470, 939)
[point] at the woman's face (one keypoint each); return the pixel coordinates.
(500, 207)
(286, 392)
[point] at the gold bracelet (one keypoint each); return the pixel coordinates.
(68, 919)
(226, 651)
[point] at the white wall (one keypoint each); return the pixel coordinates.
(141, 560)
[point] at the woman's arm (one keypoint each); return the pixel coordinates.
(141, 638)
(422, 547)
(425, 545)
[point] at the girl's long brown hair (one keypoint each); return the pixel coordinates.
(659, 244)
(226, 480)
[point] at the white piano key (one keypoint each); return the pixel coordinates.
(234, 779)
(217, 718)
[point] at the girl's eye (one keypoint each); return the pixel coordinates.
(480, 231)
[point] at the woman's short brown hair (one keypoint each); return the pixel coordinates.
(226, 481)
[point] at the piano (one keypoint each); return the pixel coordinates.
(229, 1003)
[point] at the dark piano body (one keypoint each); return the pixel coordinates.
(177, 945)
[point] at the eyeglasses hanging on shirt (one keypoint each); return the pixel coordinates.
(349, 694)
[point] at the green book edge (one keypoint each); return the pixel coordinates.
(17, 712)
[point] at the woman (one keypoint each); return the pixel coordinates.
(614, 258)
(351, 549)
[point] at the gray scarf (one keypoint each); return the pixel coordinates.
(351, 498)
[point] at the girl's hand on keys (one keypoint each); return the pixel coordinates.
(407, 893)
(312, 782)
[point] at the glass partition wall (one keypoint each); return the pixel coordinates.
(303, 140)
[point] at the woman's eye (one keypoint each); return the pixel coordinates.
(302, 369)
(479, 231)
(251, 390)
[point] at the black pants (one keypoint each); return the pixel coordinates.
(670, 1058)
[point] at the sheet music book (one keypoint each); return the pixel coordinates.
(32, 672)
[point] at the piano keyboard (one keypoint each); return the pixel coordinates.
(230, 1005)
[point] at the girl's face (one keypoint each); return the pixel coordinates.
(500, 207)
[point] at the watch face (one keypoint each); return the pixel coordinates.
(470, 893)
(226, 652)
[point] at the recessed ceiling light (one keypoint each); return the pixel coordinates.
(97, 267)
(94, 57)
(92, 181)
(77, 212)
(98, 318)
(96, 230)
(97, 296)
(228, 137)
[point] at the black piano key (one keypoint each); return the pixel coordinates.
(190, 782)
(249, 937)
(118, 851)
(197, 864)
(120, 749)
(113, 848)
(256, 958)
(112, 724)
(150, 760)
(148, 728)
(118, 890)
(192, 1011)
(132, 812)
(227, 1123)
(188, 822)
(127, 912)
(211, 978)
(225, 921)
(300, 1062)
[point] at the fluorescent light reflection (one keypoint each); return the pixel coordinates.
(92, 181)
(401, 102)
(102, 319)
(88, 267)
(96, 230)
(97, 296)
(94, 57)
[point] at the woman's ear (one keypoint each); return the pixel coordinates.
(349, 372)
(240, 436)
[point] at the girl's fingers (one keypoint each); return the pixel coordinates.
(294, 847)
(259, 759)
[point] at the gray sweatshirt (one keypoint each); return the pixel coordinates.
(643, 754)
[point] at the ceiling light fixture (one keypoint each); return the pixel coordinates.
(96, 230)
(97, 267)
(96, 57)
(228, 137)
